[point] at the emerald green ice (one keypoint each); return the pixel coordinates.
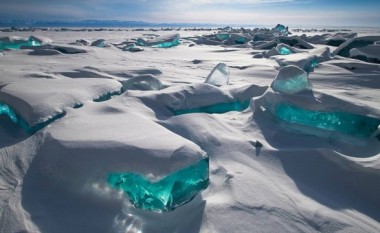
(223, 36)
(284, 51)
(282, 29)
(167, 44)
(167, 193)
(6, 110)
(16, 45)
(216, 108)
(342, 122)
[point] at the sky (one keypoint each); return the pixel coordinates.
(243, 12)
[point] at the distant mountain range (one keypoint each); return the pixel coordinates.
(95, 23)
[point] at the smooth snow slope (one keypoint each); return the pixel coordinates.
(265, 176)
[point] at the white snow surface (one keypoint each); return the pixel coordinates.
(264, 177)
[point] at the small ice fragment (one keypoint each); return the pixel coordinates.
(284, 49)
(219, 76)
(132, 48)
(291, 79)
(143, 83)
(83, 42)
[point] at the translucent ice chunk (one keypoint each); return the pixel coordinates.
(165, 41)
(15, 44)
(342, 122)
(165, 194)
(282, 29)
(284, 49)
(223, 36)
(291, 79)
(219, 76)
(216, 108)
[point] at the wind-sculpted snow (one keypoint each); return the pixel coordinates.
(157, 169)
(30, 129)
(39, 100)
(370, 53)
(344, 49)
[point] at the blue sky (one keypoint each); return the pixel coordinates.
(291, 12)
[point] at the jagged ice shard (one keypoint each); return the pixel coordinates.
(342, 122)
(291, 79)
(219, 76)
(165, 194)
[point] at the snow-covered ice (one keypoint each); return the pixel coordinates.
(217, 130)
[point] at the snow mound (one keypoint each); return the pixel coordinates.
(38, 100)
(143, 152)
